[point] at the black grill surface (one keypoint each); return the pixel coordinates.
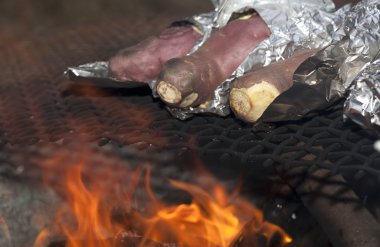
(41, 114)
(38, 106)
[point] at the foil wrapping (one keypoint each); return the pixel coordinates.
(97, 73)
(348, 67)
(363, 102)
(363, 30)
(294, 24)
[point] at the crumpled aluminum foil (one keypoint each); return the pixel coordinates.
(363, 103)
(97, 72)
(349, 66)
(294, 24)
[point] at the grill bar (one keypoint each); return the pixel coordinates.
(336, 208)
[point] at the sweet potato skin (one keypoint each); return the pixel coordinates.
(143, 61)
(252, 93)
(193, 79)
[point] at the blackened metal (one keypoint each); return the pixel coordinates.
(37, 107)
(336, 207)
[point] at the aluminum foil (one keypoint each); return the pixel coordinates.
(294, 25)
(348, 39)
(97, 73)
(363, 103)
(349, 66)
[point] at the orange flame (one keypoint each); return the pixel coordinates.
(5, 230)
(93, 221)
(212, 219)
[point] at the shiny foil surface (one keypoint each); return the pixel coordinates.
(348, 39)
(363, 102)
(362, 28)
(348, 67)
(294, 25)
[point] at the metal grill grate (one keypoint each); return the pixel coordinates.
(37, 106)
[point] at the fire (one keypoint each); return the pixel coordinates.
(207, 221)
(213, 218)
(93, 218)
(5, 230)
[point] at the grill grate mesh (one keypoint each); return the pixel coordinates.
(37, 106)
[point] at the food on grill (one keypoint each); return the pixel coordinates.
(191, 80)
(252, 93)
(142, 62)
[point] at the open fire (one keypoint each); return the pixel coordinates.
(103, 208)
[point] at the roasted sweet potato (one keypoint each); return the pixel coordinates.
(252, 93)
(143, 61)
(191, 80)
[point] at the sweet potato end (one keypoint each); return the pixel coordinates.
(168, 93)
(250, 103)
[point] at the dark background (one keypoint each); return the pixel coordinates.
(22, 18)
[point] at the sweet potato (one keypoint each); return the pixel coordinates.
(252, 93)
(191, 80)
(142, 62)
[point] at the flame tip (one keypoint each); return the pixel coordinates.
(288, 240)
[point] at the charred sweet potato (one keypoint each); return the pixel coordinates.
(142, 62)
(191, 80)
(252, 93)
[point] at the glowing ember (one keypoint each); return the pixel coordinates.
(212, 219)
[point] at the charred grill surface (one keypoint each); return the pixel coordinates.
(38, 107)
